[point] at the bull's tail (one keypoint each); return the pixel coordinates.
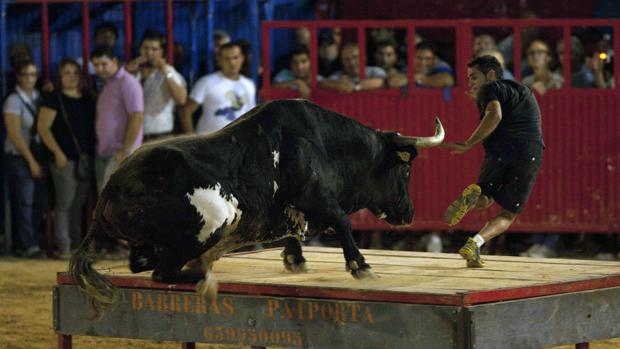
(100, 290)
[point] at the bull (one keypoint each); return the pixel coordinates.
(284, 170)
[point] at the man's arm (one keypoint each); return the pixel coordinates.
(187, 123)
(177, 90)
(488, 124)
(437, 80)
(372, 83)
(136, 120)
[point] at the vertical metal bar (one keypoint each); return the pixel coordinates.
(210, 56)
(85, 37)
(566, 68)
(516, 50)
(266, 41)
(616, 47)
(314, 57)
(3, 48)
(255, 25)
(169, 32)
(45, 39)
(411, 52)
(65, 341)
(128, 30)
(193, 56)
(361, 44)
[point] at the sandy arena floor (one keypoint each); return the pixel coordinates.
(26, 315)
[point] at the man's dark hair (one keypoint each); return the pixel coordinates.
(427, 45)
(232, 44)
(23, 64)
(103, 51)
(386, 43)
(103, 26)
(485, 64)
(153, 35)
(301, 50)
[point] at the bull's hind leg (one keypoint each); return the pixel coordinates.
(169, 268)
(142, 258)
(293, 259)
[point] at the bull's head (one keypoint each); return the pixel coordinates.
(391, 199)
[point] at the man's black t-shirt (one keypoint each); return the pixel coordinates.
(81, 114)
(520, 113)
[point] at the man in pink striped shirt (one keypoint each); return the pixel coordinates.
(120, 114)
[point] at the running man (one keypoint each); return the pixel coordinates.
(510, 131)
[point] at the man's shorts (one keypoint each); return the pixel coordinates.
(508, 174)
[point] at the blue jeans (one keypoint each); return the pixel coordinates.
(27, 208)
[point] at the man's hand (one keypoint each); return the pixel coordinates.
(457, 148)
(160, 64)
(133, 65)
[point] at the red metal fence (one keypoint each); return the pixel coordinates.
(578, 187)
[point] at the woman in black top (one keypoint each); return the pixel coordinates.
(67, 117)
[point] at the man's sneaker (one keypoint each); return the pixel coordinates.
(459, 208)
(471, 252)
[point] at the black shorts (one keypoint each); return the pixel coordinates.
(508, 174)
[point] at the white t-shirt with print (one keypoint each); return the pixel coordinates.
(223, 100)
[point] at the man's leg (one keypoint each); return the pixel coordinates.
(496, 226)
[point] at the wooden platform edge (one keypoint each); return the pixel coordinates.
(462, 299)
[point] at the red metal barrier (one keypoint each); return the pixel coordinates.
(577, 189)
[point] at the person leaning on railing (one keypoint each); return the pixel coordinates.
(430, 71)
(297, 77)
(348, 80)
(539, 60)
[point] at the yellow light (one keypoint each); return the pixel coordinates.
(602, 55)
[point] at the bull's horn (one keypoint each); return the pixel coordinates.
(423, 142)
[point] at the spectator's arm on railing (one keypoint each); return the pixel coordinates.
(436, 80)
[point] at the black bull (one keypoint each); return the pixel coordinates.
(284, 169)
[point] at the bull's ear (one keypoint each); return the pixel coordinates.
(403, 155)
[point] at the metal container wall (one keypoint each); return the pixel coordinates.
(577, 188)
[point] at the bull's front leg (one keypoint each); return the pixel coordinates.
(292, 256)
(330, 213)
(355, 261)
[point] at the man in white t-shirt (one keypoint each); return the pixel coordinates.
(224, 95)
(163, 86)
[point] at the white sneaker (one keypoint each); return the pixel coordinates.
(434, 243)
(543, 252)
(530, 251)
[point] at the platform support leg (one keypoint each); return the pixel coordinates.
(582, 345)
(65, 341)
(188, 345)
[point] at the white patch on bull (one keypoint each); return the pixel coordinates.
(214, 208)
(296, 222)
(382, 215)
(275, 188)
(276, 158)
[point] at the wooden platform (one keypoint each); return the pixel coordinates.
(420, 300)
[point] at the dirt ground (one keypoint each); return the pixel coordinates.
(26, 311)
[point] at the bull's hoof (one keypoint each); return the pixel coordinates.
(361, 272)
(207, 287)
(293, 267)
(364, 273)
